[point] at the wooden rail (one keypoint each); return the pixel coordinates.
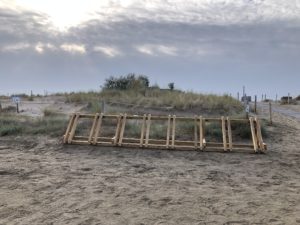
(197, 140)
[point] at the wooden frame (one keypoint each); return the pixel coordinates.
(198, 141)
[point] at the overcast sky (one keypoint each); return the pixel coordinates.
(210, 46)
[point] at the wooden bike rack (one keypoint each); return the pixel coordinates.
(198, 142)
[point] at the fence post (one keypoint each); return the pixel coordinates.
(103, 109)
(255, 105)
(270, 109)
(0, 107)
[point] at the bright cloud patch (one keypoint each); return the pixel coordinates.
(156, 50)
(15, 47)
(42, 47)
(108, 51)
(73, 48)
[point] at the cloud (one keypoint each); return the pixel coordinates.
(153, 50)
(108, 51)
(73, 48)
(15, 47)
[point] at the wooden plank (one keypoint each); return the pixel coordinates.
(148, 130)
(80, 142)
(254, 139)
(173, 131)
(143, 131)
(229, 133)
(93, 127)
(224, 133)
(117, 133)
(195, 133)
(72, 133)
(97, 129)
(168, 131)
(122, 129)
(201, 133)
(259, 135)
(70, 125)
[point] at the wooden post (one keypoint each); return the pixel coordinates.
(201, 133)
(17, 105)
(70, 125)
(255, 104)
(93, 128)
(103, 107)
(254, 138)
(143, 131)
(122, 130)
(117, 133)
(259, 134)
(0, 107)
(224, 133)
(72, 133)
(229, 134)
(168, 131)
(148, 130)
(97, 129)
(173, 131)
(288, 98)
(270, 110)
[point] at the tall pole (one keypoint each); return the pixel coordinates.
(270, 109)
(255, 104)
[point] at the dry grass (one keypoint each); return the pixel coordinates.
(11, 124)
(156, 98)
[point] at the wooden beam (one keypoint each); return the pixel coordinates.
(122, 129)
(117, 133)
(148, 130)
(254, 139)
(224, 133)
(173, 131)
(259, 135)
(72, 133)
(70, 125)
(229, 133)
(92, 131)
(168, 132)
(97, 129)
(143, 131)
(201, 133)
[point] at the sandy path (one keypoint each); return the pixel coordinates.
(47, 183)
(36, 108)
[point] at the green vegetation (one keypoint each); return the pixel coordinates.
(156, 98)
(134, 91)
(21, 125)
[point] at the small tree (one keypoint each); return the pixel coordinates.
(171, 86)
(131, 81)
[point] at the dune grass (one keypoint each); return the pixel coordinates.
(11, 124)
(157, 98)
